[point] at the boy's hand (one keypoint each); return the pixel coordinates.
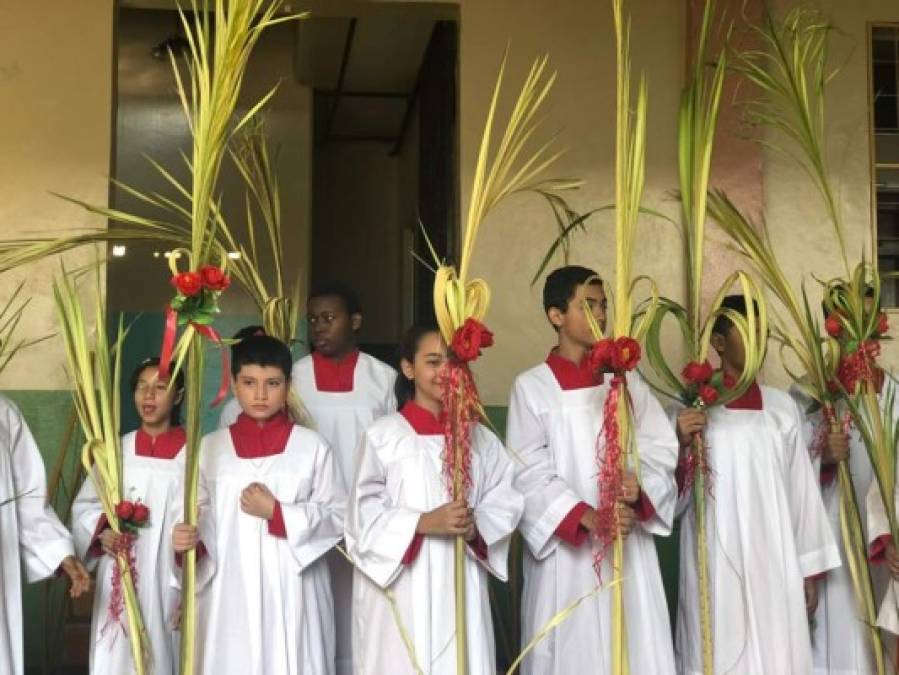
(811, 596)
(80, 579)
(257, 500)
(690, 421)
(451, 519)
(836, 449)
(111, 541)
(626, 519)
(185, 537)
(892, 558)
(630, 488)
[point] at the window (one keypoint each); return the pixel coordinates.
(884, 102)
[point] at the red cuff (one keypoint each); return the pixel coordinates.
(643, 507)
(570, 529)
(878, 549)
(478, 545)
(414, 549)
(276, 526)
(201, 553)
(817, 577)
(828, 474)
(96, 548)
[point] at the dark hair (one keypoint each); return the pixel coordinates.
(261, 350)
(404, 388)
(153, 362)
(737, 303)
(561, 285)
(338, 289)
(243, 334)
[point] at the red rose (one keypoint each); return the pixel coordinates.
(833, 325)
(188, 283)
(600, 357)
(883, 324)
(214, 278)
(626, 354)
(141, 514)
(470, 339)
(708, 394)
(698, 373)
(124, 510)
(870, 348)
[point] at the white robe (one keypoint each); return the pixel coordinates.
(340, 417)
(400, 478)
(28, 528)
(263, 602)
(157, 483)
(841, 643)
(554, 434)
(767, 531)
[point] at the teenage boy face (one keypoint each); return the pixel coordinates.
(332, 328)
(574, 323)
(731, 349)
(261, 391)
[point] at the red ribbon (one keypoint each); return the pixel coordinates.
(168, 346)
(460, 407)
(609, 479)
(697, 461)
(123, 548)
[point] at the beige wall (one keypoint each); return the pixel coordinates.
(579, 38)
(55, 85)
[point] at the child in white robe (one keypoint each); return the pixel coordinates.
(344, 390)
(768, 535)
(30, 533)
(555, 419)
(271, 506)
(152, 473)
(402, 525)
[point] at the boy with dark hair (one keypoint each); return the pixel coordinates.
(271, 506)
(555, 422)
(767, 531)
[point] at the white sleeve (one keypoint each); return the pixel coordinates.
(378, 533)
(814, 537)
(390, 405)
(547, 497)
(500, 505)
(87, 511)
(43, 541)
(658, 449)
(206, 563)
(315, 525)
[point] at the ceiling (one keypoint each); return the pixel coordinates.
(361, 58)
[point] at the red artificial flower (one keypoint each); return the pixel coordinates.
(600, 357)
(470, 339)
(870, 348)
(883, 324)
(708, 394)
(626, 354)
(124, 509)
(141, 514)
(698, 373)
(214, 278)
(833, 325)
(729, 381)
(188, 283)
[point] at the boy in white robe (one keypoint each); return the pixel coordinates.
(767, 531)
(271, 506)
(30, 530)
(152, 475)
(344, 390)
(401, 527)
(555, 419)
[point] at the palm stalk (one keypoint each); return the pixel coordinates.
(511, 168)
(95, 378)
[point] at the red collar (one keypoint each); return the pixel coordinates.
(570, 375)
(166, 445)
(334, 375)
(252, 440)
(423, 421)
(750, 400)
